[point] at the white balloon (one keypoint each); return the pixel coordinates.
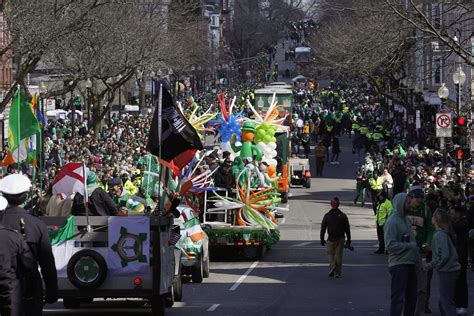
(273, 162)
(272, 145)
(274, 153)
(261, 146)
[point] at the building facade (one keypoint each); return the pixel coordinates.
(6, 59)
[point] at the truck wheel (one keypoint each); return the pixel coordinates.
(71, 303)
(206, 269)
(87, 269)
(177, 288)
(284, 197)
(157, 305)
(198, 272)
(307, 183)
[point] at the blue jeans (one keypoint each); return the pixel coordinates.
(447, 280)
(403, 288)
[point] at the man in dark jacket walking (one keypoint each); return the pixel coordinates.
(337, 225)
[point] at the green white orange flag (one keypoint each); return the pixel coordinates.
(22, 130)
(194, 230)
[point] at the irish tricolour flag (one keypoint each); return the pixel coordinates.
(194, 230)
(63, 245)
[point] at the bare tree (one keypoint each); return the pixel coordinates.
(358, 43)
(37, 26)
(442, 21)
(259, 24)
(120, 39)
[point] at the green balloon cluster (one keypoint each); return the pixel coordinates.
(265, 133)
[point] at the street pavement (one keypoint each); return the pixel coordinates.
(292, 277)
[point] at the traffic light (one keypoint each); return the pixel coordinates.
(460, 131)
(463, 153)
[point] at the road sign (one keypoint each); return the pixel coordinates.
(444, 126)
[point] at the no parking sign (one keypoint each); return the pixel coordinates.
(444, 125)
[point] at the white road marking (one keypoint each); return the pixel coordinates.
(242, 277)
(213, 307)
(303, 244)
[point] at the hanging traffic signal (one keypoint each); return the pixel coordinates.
(463, 153)
(460, 132)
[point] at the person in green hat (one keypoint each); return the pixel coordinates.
(248, 150)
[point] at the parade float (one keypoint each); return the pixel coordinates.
(247, 217)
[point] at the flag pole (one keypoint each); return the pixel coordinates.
(19, 129)
(38, 106)
(150, 157)
(160, 129)
(86, 197)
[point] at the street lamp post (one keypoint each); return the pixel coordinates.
(443, 94)
(459, 78)
(119, 77)
(88, 101)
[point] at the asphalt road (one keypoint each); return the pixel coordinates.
(291, 278)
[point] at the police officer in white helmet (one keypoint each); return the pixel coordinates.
(15, 188)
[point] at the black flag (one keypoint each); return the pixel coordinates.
(179, 139)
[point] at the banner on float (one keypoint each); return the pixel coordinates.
(129, 245)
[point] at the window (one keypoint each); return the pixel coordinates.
(437, 71)
(436, 13)
(215, 20)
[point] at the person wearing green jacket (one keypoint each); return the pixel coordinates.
(445, 261)
(403, 253)
(384, 210)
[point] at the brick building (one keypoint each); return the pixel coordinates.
(6, 59)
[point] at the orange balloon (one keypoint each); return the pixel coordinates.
(271, 171)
